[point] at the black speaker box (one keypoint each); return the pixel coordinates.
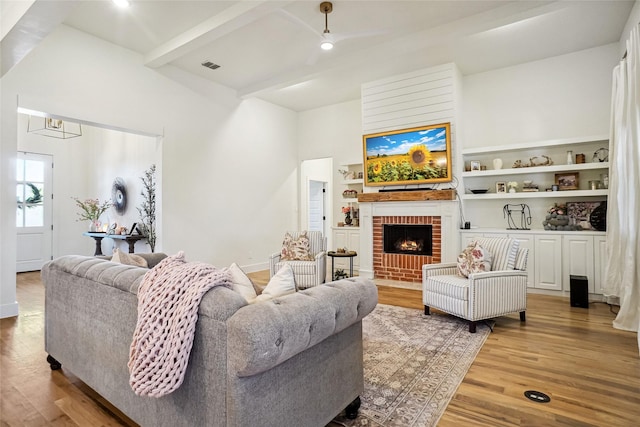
(579, 296)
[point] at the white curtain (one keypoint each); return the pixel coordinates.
(622, 272)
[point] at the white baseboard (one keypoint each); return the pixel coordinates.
(252, 268)
(9, 310)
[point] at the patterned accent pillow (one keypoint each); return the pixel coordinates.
(296, 249)
(474, 259)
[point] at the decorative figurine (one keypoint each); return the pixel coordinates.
(525, 216)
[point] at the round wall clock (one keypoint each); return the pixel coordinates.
(119, 195)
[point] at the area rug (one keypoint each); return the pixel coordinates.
(413, 365)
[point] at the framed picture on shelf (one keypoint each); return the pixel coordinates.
(580, 213)
(133, 228)
(567, 181)
(501, 187)
(475, 165)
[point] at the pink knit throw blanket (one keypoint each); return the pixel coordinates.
(168, 300)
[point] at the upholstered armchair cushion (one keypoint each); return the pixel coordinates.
(503, 251)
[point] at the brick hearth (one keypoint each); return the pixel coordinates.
(404, 267)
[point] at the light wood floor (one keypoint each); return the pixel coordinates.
(590, 370)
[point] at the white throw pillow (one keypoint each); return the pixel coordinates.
(241, 283)
(282, 283)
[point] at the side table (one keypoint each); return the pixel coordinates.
(348, 254)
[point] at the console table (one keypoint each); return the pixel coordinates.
(131, 239)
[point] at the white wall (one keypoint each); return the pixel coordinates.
(229, 166)
(561, 97)
(85, 167)
(333, 131)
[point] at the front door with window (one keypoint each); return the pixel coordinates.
(33, 211)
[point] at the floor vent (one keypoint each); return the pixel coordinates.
(537, 396)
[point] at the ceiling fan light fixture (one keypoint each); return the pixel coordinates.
(327, 43)
(122, 3)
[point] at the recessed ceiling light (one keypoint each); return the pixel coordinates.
(122, 3)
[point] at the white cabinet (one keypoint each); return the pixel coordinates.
(577, 259)
(554, 256)
(548, 262)
(542, 176)
(599, 261)
(349, 238)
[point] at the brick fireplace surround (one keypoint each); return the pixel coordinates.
(403, 267)
(374, 264)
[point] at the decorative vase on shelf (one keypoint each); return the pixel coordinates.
(512, 190)
(347, 218)
(497, 164)
(569, 157)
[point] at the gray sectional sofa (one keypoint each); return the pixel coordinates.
(292, 361)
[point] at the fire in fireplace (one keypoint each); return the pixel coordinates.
(407, 239)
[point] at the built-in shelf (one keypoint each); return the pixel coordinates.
(536, 194)
(565, 142)
(353, 181)
(537, 169)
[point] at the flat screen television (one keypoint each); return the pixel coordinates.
(420, 155)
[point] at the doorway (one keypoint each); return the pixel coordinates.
(315, 206)
(316, 211)
(33, 211)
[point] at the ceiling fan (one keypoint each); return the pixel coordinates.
(327, 38)
(326, 7)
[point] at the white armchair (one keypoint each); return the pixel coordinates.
(482, 295)
(306, 273)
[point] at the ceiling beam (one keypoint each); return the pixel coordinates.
(35, 23)
(230, 19)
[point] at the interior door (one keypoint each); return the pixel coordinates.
(33, 211)
(316, 206)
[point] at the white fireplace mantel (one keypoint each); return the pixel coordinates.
(447, 211)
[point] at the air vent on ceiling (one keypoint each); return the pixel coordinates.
(210, 64)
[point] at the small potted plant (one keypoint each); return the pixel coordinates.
(512, 186)
(340, 274)
(347, 215)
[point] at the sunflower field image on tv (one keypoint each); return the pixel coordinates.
(409, 156)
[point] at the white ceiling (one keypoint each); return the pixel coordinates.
(270, 49)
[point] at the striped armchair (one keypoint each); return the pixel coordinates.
(306, 273)
(484, 295)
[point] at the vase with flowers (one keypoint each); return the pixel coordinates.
(91, 210)
(347, 215)
(512, 186)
